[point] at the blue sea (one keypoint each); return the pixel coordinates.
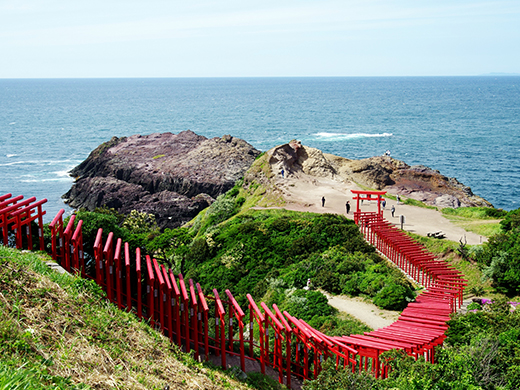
(465, 127)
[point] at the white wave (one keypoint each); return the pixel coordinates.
(62, 173)
(12, 123)
(61, 179)
(11, 155)
(67, 163)
(343, 136)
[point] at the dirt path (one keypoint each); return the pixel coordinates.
(304, 193)
(366, 312)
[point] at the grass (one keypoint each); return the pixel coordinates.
(447, 250)
(417, 203)
(57, 331)
(473, 219)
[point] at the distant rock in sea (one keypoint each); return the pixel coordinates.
(173, 176)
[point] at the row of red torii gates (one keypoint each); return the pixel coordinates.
(210, 325)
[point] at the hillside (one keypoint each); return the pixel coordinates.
(57, 331)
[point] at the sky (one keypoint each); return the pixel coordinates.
(257, 38)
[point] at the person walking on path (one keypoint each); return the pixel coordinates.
(347, 205)
(397, 198)
(392, 210)
(383, 203)
(283, 172)
(323, 201)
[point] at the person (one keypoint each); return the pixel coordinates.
(397, 198)
(323, 201)
(387, 153)
(347, 205)
(383, 203)
(392, 210)
(283, 172)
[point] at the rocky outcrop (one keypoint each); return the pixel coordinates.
(173, 176)
(380, 173)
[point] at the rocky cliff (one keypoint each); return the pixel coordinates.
(381, 173)
(173, 176)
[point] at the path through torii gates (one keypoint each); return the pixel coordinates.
(205, 323)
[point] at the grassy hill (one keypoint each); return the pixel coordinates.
(58, 332)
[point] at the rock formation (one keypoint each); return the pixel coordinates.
(173, 176)
(381, 173)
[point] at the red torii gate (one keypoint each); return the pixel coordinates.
(361, 195)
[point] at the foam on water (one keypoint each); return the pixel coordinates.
(343, 137)
(62, 179)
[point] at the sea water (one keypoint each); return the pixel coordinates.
(465, 127)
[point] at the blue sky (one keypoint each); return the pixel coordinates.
(231, 38)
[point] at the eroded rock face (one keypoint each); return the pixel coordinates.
(173, 176)
(381, 173)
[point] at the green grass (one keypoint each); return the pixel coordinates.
(57, 331)
(435, 245)
(416, 203)
(474, 219)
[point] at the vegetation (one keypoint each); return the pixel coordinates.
(312, 307)
(58, 332)
(492, 265)
(481, 353)
(498, 257)
(480, 220)
(254, 246)
(417, 203)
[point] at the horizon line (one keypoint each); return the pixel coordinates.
(492, 74)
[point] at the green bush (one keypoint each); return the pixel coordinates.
(393, 297)
(474, 306)
(495, 213)
(342, 379)
(199, 252)
(511, 220)
(499, 256)
(305, 304)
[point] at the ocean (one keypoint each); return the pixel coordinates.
(465, 127)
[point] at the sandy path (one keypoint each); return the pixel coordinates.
(366, 312)
(304, 194)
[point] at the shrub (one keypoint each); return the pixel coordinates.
(139, 222)
(305, 304)
(342, 379)
(511, 220)
(199, 252)
(474, 306)
(393, 297)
